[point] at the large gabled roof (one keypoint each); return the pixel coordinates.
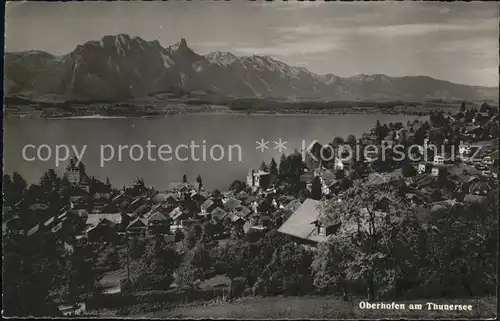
(299, 224)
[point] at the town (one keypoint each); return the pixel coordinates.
(299, 226)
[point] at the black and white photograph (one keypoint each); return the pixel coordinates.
(250, 160)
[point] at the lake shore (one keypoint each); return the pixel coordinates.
(235, 113)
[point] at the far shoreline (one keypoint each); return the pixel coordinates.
(224, 113)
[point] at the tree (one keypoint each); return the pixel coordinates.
(351, 140)
(30, 270)
(216, 193)
(463, 107)
(82, 277)
(337, 141)
(283, 166)
(381, 131)
(273, 170)
(263, 167)
(237, 232)
(409, 170)
(200, 182)
(237, 186)
(49, 181)
(208, 231)
(14, 188)
(291, 168)
(368, 216)
(484, 107)
(193, 235)
(459, 254)
(403, 137)
(232, 258)
(288, 271)
(154, 270)
(195, 265)
(316, 192)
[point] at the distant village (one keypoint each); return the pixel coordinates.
(283, 196)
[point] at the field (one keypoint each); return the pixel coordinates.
(320, 307)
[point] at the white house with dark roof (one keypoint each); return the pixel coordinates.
(207, 207)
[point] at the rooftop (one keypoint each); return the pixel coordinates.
(299, 224)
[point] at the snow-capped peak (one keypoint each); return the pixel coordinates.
(368, 78)
(178, 46)
(221, 58)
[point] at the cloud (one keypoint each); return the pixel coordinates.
(296, 48)
(484, 48)
(213, 44)
(445, 11)
(308, 30)
(417, 29)
(289, 5)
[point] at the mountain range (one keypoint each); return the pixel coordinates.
(121, 67)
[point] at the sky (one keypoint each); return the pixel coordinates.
(454, 41)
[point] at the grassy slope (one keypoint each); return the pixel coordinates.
(320, 307)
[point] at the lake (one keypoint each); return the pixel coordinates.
(230, 138)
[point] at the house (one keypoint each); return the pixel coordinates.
(338, 165)
(157, 223)
(118, 197)
(32, 231)
(137, 227)
(292, 206)
(104, 230)
(207, 207)
(422, 168)
(242, 196)
(235, 219)
(231, 204)
(218, 214)
(440, 206)
(242, 211)
(114, 219)
(170, 198)
(265, 221)
(463, 149)
(438, 160)
(199, 197)
(181, 187)
(470, 198)
(177, 215)
(479, 187)
(250, 228)
(14, 226)
(75, 173)
(487, 160)
(48, 224)
(80, 202)
(99, 202)
(302, 224)
(258, 179)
